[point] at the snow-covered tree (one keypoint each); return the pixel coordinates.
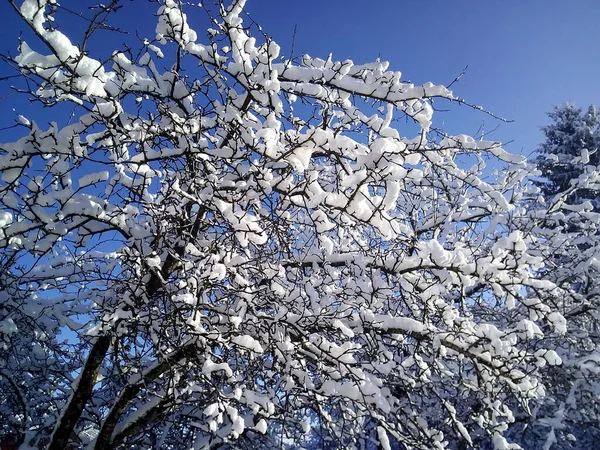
(563, 225)
(571, 143)
(221, 247)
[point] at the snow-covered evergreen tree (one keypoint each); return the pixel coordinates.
(563, 226)
(571, 143)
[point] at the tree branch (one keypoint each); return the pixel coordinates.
(104, 439)
(85, 384)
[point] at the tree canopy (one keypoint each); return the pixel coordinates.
(571, 143)
(221, 245)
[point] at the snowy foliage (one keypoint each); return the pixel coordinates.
(567, 238)
(564, 223)
(244, 247)
(571, 143)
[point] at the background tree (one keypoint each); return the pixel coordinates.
(571, 143)
(563, 227)
(226, 247)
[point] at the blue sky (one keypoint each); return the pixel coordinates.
(523, 56)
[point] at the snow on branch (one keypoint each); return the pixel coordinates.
(222, 245)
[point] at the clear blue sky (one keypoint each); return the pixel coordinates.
(523, 55)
